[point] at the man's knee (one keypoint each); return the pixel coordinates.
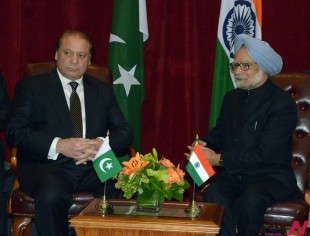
(253, 202)
(53, 198)
(50, 192)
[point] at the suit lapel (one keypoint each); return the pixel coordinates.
(90, 98)
(56, 93)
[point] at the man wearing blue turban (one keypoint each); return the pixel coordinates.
(252, 141)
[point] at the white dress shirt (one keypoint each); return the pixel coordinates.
(52, 154)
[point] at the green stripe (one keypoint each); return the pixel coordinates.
(191, 170)
(222, 82)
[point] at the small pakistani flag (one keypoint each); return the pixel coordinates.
(105, 163)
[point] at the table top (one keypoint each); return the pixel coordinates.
(172, 217)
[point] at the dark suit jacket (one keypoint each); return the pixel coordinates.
(254, 132)
(4, 106)
(4, 102)
(40, 113)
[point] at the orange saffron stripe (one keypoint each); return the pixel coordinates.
(259, 15)
(204, 161)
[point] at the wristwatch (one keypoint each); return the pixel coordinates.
(221, 161)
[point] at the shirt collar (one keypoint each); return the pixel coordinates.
(66, 81)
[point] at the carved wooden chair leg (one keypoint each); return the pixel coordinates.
(21, 226)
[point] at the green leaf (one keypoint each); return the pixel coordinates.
(124, 177)
(155, 153)
(178, 196)
(160, 175)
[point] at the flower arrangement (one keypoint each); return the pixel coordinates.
(145, 173)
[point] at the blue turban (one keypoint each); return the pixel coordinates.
(261, 52)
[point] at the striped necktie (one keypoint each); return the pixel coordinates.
(75, 111)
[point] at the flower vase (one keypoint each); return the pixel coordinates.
(149, 201)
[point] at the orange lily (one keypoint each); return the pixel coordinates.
(166, 162)
(136, 163)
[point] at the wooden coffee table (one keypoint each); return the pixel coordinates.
(170, 221)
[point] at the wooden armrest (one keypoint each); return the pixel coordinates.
(307, 198)
(307, 195)
(14, 167)
(14, 160)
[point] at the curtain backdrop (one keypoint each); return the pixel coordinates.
(179, 55)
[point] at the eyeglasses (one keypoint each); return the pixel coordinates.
(243, 66)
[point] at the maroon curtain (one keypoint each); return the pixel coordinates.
(179, 55)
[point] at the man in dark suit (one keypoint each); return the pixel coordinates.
(252, 141)
(56, 152)
(4, 191)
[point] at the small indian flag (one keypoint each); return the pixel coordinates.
(199, 167)
(105, 162)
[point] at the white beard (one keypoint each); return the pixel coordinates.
(245, 84)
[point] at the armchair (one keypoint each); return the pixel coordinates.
(280, 216)
(22, 205)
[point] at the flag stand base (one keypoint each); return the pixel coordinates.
(104, 207)
(193, 209)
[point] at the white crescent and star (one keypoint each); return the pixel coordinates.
(115, 38)
(127, 78)
(108, 166)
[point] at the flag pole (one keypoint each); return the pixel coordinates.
(104, 206)
(194, 189)
(193, 209)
